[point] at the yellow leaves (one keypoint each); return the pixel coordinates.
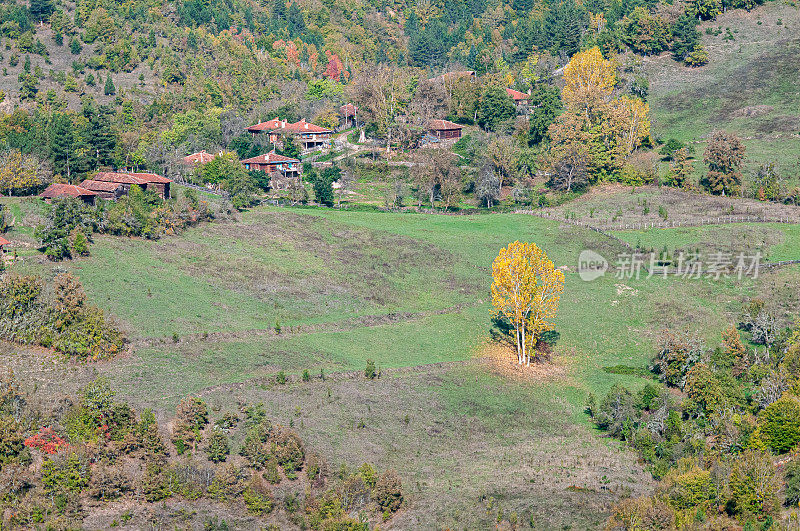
(589, 79)
(21, 173)
(619, 125)
(526, 290)
(597, 23)
(631, 121)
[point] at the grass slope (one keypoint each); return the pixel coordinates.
(411, 292)
(748, 87)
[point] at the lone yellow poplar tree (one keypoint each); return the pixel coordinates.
(526, 289)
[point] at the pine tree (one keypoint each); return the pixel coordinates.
(295, 22)
(41, 9)
(61, 144)
(279, 10)
(109, 89)
(684, 37)
(75, 46)
(546, 104)
(100, 136)
(496, 106)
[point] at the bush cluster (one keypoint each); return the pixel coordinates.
(56, 316)
(70, 223)
(712, 447)
(92, 449)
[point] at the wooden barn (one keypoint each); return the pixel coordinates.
(106, 189)
(60, 190)
(147, 181)
(444, 129)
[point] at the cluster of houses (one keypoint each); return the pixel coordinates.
(309, 136)
(444, 130)
(108, 185)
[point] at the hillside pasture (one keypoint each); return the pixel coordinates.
(749, 87)
(219, 310)
(614, 206)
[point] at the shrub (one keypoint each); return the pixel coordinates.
(108, 484)
(616, 411)
(46, 441)
(192, 416)
(65, 474)
(792, 481)
(155, 485)
(779, 424)
(754, 485)
(693, 488)
(254, 447)
(678, 352)
(227, 484)
(368, 474)
(12, 441)
(369, 371)
(217, 447)
(289, 451)
(388, 493)
(272, 472)
(258, 498)
(227, 422)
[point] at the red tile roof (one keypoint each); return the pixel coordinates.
(517, 95)
(348, 110)
(64, 190)
(303, 127)
(269, 125)
(269, 158)
(100, 186)
(151, 178)
(199, 158)
(130, 178)
(3, 241)
(443, 125)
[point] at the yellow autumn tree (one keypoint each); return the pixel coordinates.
(589, 81)
(526, 289)
(632, 122)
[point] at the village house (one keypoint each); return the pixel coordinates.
(282, 171)
(309, 136)
(521, 99)
(104, 189)
(348, 115)
(197, 159)
(272, 162)
(60, 190)
(269, 127)
(444, 129)
(146, 181)
(3, 243)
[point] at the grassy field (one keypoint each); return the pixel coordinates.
(759, 54)
(469, 435)
(613, 206)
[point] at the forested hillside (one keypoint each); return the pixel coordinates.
(94, 84)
